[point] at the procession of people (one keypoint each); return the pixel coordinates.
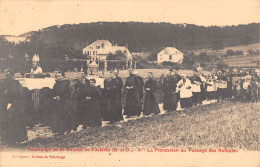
(81, 102)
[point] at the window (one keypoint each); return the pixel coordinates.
(97, 47)
(170, 57)
(93, 52)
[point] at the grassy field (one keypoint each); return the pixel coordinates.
(242, 61)
(236, 61)
(228, 124)
(255, 46)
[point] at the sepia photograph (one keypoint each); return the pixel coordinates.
(129, 83)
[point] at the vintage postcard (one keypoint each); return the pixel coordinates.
(129, 83)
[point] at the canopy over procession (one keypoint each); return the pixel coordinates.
(63, 104)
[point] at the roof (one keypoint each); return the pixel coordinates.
(93, 64)
(99, 42)
(170, 50)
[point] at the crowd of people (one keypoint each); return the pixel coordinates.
(80, 102)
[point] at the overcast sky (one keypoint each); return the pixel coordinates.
(17, 17)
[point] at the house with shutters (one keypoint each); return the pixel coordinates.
(169, 54)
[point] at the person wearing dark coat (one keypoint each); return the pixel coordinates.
(169, 84)
(133, 102)
(28, 106)
(89, 104)
(229, 92)
(141, 85)
(120, 82)
(47, 107)
(62, 97)
(113, 112)
(13, 124)
(196, 88)
(178, 79)
(150, 102)
(140, 90)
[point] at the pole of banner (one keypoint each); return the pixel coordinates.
(126, 64)
(131, 64)
(105, 65)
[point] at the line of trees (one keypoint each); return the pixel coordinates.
(56, 41)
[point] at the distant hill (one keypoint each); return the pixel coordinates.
(56, 41)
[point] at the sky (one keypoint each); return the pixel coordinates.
(18, 17)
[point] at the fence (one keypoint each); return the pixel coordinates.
(23, 66)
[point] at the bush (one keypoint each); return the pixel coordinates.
(239, 52)
(222, 65)
(230, 52)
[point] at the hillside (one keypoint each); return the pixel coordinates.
(243, 61)
(56, 41)
(219, 125)
(243, 48)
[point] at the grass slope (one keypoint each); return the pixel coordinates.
(226, 125)
(244, 48)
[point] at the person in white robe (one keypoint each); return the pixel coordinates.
(211, 88)
(184, 87)
(36, 69)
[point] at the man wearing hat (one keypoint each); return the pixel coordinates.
(36, 69)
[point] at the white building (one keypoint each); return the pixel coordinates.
(170, 54)
(100, 49)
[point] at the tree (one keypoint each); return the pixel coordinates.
(246, 40)
(119, 55)
(203, 57)
(217, 45)
(152, 56)
(239, 52)
(189, 59)
(221, 65)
